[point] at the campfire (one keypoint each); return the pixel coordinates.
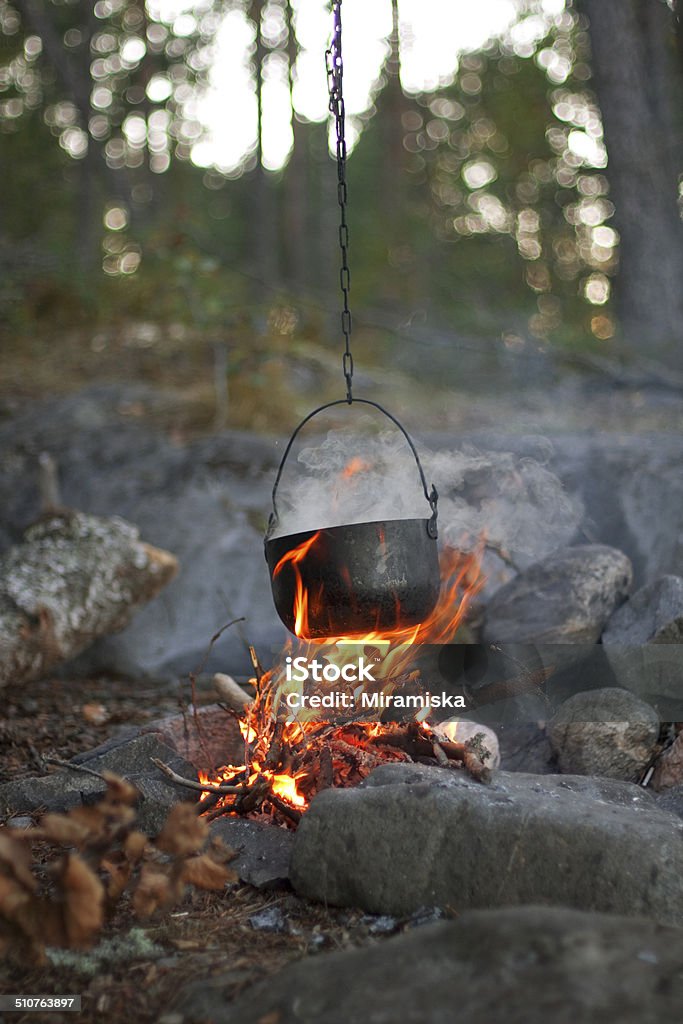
(291, 753)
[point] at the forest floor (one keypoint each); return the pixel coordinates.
(140, 967)
(261, 382)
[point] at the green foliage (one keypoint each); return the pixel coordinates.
(466, 203)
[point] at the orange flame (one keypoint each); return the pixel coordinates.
(295, 556)
(355, 465)
(284, 786)
(461, 581)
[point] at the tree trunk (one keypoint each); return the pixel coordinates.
(295, 183)
(391, 105)
(265, 237)
(76, 83)
(637, 78)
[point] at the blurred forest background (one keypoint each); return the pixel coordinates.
(527, 201)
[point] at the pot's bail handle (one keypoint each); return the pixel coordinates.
(432, 495)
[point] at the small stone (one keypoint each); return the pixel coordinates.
(380, 924)
(608, 732)
(263, 851)
(271, 919)
(20, 822)
(425, 915)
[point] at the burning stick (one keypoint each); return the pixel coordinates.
(417, 743)
(202, 787)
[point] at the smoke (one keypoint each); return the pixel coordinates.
(348, 477)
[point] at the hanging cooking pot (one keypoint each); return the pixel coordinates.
(356, 579)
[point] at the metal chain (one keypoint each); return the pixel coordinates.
(335, 74)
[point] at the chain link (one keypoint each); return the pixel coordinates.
(335, 75)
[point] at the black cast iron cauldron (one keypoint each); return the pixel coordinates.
(359, 578)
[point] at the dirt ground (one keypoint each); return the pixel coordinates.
(137, 971)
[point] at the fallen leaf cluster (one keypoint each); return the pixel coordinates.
(95, 856)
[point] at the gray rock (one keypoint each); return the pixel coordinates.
(206, 501)
(528, 965)
(671, 800)
(58, 792)
(207, 737)
(653, 615)
(565, 599)
(609, 732)
(130, 759)
(654, 672)
(411, 836)
(631, 486)
(270, 919)
(639, 644)
(526, 748)
(73, 577)
(263, 851)
(632, 490)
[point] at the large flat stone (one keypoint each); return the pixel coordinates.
(528, 965)
(412, 836)
(130, 758)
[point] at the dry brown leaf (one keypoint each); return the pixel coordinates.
(83, 901)
(184, 832)
(205, 873)
(154, 890)
(120, 790)
(15, 860)
(118, 815)
(119, 869)
(31, 921)
(220, 851)
(14, 897)
(134, 846)
(82, 826)
(95, 714)
(187, 944)
(272, 1017)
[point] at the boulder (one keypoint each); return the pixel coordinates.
(74, 577)
(207, 501)
(639, 644)
(130, 758)
(414, 836)
(564, 599)
(524, 965)
(608, 732)
(653, 615)
(631, 487)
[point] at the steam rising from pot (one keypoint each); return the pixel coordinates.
(351, 477)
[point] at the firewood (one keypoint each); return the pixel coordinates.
(231, 693)
(202, 787)
(73, 578)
